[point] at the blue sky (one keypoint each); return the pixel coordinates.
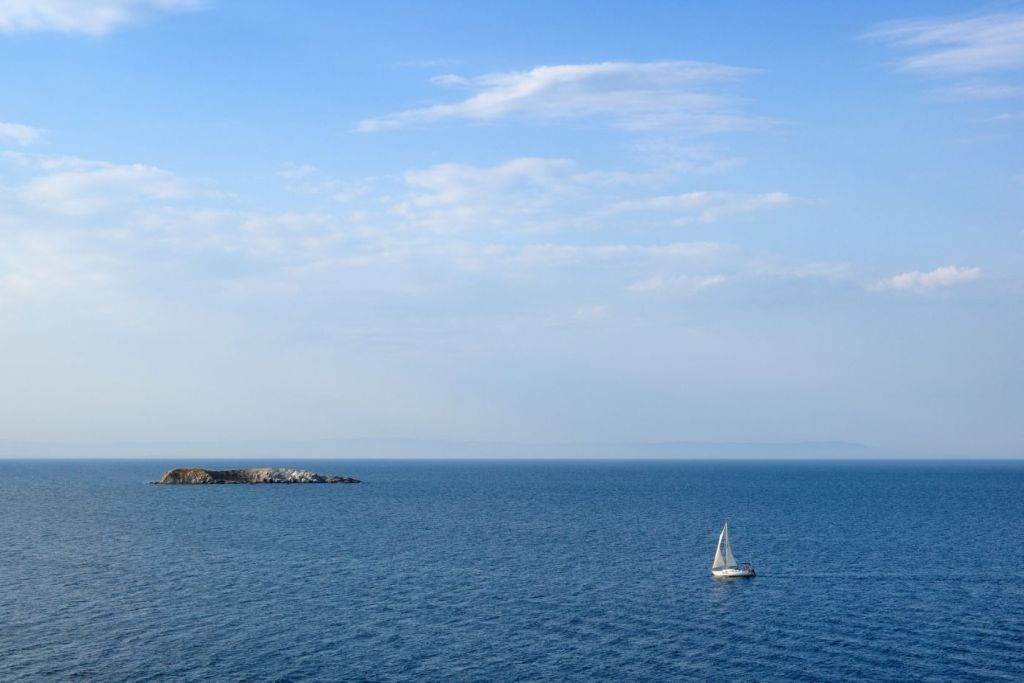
(601, 222)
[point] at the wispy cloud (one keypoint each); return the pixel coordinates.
(592, 312)
(293, 171)
(19, 133)
(705, 207)
(673, 156)
(452, 197)
(676, 284)
(73, 186)
(307, 179)
(530, 194)
(44, 266)
(561, 255)
(290, 237)
(1008, 116)
(917, 281)
(95, 17)
(514, 227)
(981, 90)
(638, 96)
(993, 42)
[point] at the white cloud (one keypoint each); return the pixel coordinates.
(307, 179)
(993, 42)
(981, 91)
(293, 171)
(515, 193)
(79, 187)
(676, 284)
(16, 132)
(44, 162)
(672, 156)
(290, 237)
(592, 312)
(549, 255)
(917, 281)
(705, 207)
(1009, 116)
(456, 183)
(95, 17)
(439, 230)
(536, 194)
(638, 96)
(42, 266)
(820, 270)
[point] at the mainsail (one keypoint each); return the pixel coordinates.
(723, 554)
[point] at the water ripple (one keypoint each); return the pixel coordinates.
(514, 571)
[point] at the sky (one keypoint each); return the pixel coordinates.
(505, 221)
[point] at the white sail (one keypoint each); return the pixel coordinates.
(719, 562)
(730, 561)
(724, 558)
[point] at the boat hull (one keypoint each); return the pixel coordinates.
(733, 573)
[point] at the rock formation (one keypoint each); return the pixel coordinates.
(250, 475)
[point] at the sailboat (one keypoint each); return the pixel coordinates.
(725, 566)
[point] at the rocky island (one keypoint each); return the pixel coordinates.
(250, 475)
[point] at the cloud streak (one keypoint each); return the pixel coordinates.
(18, 133)
(93, 17)
(705, 207)
(526, 227)
(81, 187)
(988, 43)
(681, 95)
(916, 281)
(676, 284)
(530, 194)
(458, 197)
(42, 266)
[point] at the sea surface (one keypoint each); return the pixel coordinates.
(501, 571)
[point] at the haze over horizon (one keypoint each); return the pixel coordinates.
(227, 221)
(374, 448)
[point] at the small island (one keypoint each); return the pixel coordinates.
(250, 475)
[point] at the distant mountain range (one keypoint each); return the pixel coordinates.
(419, 448)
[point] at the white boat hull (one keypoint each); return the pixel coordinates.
(733, 572)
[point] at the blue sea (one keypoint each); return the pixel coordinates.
(514, 570)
